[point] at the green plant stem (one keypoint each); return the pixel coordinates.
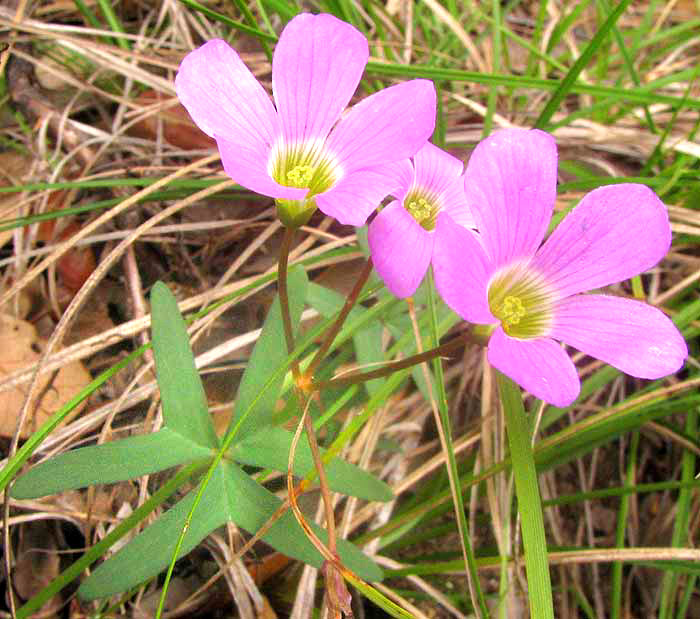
(394, 366)
(529, 501)
(331, 334)
(283, 263)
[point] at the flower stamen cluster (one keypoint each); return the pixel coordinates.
(402, 235)
(302, 168)
(520, 299)
(424, 208)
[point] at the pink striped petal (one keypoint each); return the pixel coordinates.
(353, 199)
(401, 249)
(389, 125)
(406, 176)
(462, 270)
(630, 335)
(440, 173)
(454, 203)
(510, 183)
(241, 162)
(436, 169)
(316, 67)
(225, 100)
(541, 366)
(614, 233)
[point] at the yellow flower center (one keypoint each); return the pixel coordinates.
(300, 176)
(423, 208)
(522, 301)
(303, 166)
(513, 310)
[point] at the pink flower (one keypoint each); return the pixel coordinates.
(401, 237)
(503, 277)
(299, 150)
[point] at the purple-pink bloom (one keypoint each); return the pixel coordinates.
(502, 275)
(300, 150)
(401, 237)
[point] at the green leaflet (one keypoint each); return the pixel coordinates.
(269, 353)
(108, 463)
(269, 448)
(185, 408)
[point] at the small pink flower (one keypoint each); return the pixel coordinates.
(401, 237)
(299, 150)
(502, 276)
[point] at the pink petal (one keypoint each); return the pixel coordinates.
(401, 249)
(316, 67)
(406, 176)
(435, 168)
(462, 270)
(541, 366)
(389, 125)
(225, 100)
(353, 199)
(614, 233)
(510, 184)
(454, 203)
(635, 337)
(440, 173)
(242, 163)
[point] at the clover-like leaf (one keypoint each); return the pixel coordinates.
(269, 448)
(151, 551)
(185, 408)
(105, 464)
(270, 352)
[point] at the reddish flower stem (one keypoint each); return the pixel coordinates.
(394, 366)
(331, 334)
(299, 392)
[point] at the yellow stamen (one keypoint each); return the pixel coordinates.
(512, 310)
(423, 209)
(300, 176)
(522, 301)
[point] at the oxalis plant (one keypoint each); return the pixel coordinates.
(461, 243)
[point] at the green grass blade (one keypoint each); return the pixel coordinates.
(645, 94)
(453, 471)
(30, 446)
(629, 65)
(114, 23)
(620, 533)
(580, 64)
(681, 525)
(529, 501)
(232, 23)
(496, 63)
